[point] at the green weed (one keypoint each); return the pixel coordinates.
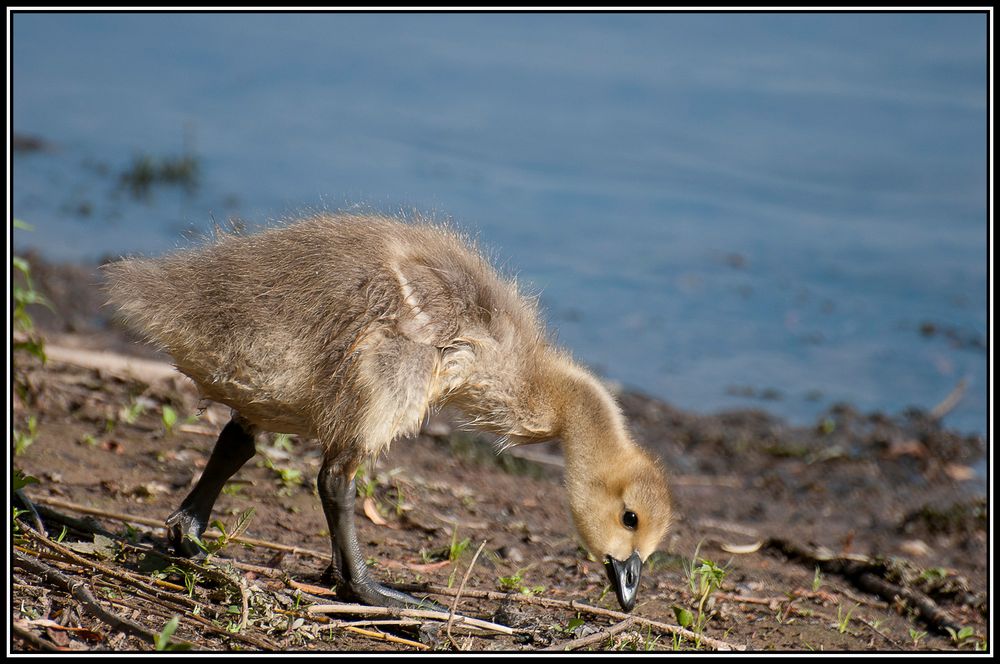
(24, 439)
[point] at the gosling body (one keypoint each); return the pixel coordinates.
(350, 329)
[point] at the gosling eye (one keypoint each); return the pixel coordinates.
(630, 520)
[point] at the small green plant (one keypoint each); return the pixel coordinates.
(24, 439)
(843, 619)
(573, 625)
(162, 640)
(24, 295)
(515, 583)
(916, 636)
(132, 412)
(283, 442)
(817, 579)
(960, 636)
(703, 579)
(169, 418)
(457, 548)
(934, 574)
(225, 538)
(190, 577)
(290, 478)
(232, 488)
(366, 482)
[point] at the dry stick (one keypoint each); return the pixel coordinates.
(154, 523)
(863, 573)
(20, 495)
(83, 595)
(141, 585)
(598, 637)
(34, 639)
(949, 401)
(573, 605)
(224, 579)
(451, 613)
(163, 597)
(360, 610)
(103, 569)
(382, 636)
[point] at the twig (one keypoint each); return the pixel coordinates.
(597, 637)
(360, 610)
(32, 638)
(882, 634)
(103, 569)
(153, 523)
(866, 575)
(573, 605)
(454, 604)
(770, 602)
(382, 636)
(30, 506)
(950, 401)
(83, 595)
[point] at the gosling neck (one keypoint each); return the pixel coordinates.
(589, 422)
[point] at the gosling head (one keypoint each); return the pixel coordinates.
(622, 511)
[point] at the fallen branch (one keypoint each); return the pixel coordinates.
(867, 575)
(82, 594)
(573, 605)
(26, 634)
(154, 523)
(598, 637)
(361, 610)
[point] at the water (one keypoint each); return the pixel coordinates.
(714, 208)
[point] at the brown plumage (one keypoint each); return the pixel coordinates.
(349, 329)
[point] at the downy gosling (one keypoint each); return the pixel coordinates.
(349, 329)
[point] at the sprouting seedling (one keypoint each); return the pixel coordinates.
(962, 635)
(283, 442)
(132, 412)
(844, 618)
(24, 439)
(704, 579)
(457, 548)
(169, 417)
(162, 640)
(515, 583)
(916, 635)
(190, 577)
(817, 579)
(290, 477)
(225, 538)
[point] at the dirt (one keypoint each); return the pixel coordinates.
(897, 495)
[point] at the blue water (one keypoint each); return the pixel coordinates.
(709, 205)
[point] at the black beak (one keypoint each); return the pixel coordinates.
(624, 578)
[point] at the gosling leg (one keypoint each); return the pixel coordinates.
(348, 569)
(234, 448)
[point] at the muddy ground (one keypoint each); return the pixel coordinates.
(866, 531)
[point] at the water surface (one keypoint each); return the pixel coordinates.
(722, 210)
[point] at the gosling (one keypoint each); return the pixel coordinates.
(349, 329)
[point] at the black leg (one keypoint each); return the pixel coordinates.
(337, 492)
(233, 449)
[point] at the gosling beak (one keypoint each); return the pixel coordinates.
(624, 578)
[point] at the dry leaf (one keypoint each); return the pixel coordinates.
(960, 473)
(372, 512)
(742, 548)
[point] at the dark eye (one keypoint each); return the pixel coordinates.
(630, 520)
